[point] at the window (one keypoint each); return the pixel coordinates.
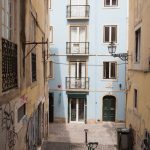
(7, 19)
(109, 70)
(51, 69)
(50, 4)
(33, 57)
(51, 34)
(110, 34)
(135, 98)
(110, 3)
(21, 112)
(33, 39)
(9, 65)
(137, 45)
(78, 69)
(78, 34)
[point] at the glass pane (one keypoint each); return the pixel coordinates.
(81, 109)
(114, 2)
(106, 70)
(73, 110)
(73, 34)
(107, 2)
(106, 34)
(21, 112)
(113, 70)
(114, 34)
(82, 34)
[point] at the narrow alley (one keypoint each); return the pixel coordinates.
(72, 136)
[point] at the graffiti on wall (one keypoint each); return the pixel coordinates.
(34, 129)
(7, 125)
(32, 134)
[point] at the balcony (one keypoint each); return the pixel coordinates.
(77, 48)
(78, 11)
(77, 84)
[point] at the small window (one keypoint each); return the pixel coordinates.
(51, 34)
(109, 70)
(110, 3)
(7, 18)
(110, 34)
(50, 3)
(21, 112)
(137, 45)
(135, 98)
(51, 69)
(33, 57)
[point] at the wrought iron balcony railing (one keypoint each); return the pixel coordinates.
(78, 11)
(77, 83)
(9, 65)
(77, 48)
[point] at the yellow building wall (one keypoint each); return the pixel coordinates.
(27, 92)
(138, 74)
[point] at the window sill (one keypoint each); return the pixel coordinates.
(110, 80)
(111, 7)
(50, 78)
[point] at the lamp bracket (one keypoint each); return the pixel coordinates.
(122, 56)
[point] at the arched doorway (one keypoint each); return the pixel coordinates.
(109, 108)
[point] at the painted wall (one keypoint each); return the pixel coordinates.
(99, 16)
(16, 134)
(138, 73)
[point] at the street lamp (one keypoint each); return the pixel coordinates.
(112, 50)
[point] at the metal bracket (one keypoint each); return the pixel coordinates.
(34, 45)
(122, 56)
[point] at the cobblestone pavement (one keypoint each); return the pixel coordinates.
(72, 136)
(75, 146)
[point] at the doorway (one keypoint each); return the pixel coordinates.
(51, 108)
(109, 108)
(77, 110)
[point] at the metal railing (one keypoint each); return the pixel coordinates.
(77, 48)
(77, 83)
(78, 11)
(9, 65)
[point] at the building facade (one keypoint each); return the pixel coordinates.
(138, 104)
(24, 28)
(87, 84)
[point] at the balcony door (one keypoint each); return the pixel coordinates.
(78, 39)
(77, 110)
(77, 74)
(78, 8)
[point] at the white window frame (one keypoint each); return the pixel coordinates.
(137, 45)
(104, 68)
(78, 31)
(110, 33)
(7, 19)
(51, 34)
(111, 5)
(51, 69)
(77, 63)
